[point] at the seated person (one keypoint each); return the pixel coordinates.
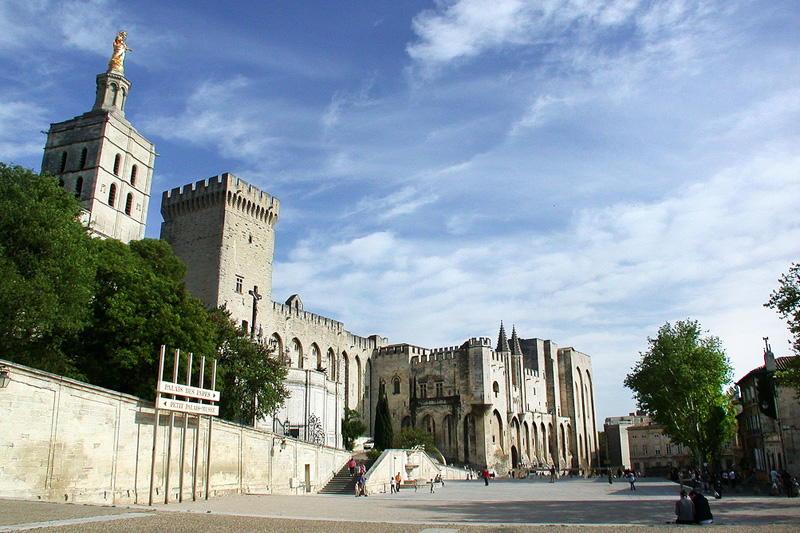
(702, 511)
(684, 509)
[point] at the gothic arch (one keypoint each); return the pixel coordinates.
(276, 344)
(359, 381)
(429, 425)
(316, 356)
(496, 427)
(346, 368)
(296, 353)
(331, 364)
(448, 440)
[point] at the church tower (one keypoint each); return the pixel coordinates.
(103, 159)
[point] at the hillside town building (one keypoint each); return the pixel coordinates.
(522, 401)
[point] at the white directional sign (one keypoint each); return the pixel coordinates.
(188, 407)
(167, 387)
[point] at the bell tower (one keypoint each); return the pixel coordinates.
(103, 160)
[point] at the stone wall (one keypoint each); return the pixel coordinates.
(66, 440)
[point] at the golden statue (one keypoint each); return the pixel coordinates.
(118, 57)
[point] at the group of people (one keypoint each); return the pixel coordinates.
(629, 475)
(783, 483)
(361, 482)
(693, 508)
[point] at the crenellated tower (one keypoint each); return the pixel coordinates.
(104, 161)
(222, 228)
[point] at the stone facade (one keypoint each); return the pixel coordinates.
(67, 440)
(107, 163)
(769, 419)
(524, 402)
(222, 228)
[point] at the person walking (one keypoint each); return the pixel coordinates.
(684, 509)
(397, 480)
(392, 485)
(352, 465)
(610, 475)
(433, 484)
(632, 480)
(486, 477)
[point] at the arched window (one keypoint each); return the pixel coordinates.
(63, 165)
(128, 203)
(134, 169)
(117, 161)
(297, 353)
(316, 356)
(331, 364)
(429, 425)
(395, 385)
(112, 194)
(84, 155)
(496, 389)
(78, 186)
(276, 345)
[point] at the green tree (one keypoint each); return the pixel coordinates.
(384, 434)
(681, 382)
(411, 436)
(249, 376)
(139, 304)
(47, 270)
(352, 427)
(786, 301)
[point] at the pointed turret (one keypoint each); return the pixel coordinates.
(516, 349)
(502, 340)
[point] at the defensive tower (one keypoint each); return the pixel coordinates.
(103, 159)
(222, 228)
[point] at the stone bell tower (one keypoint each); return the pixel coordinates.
(103, 159)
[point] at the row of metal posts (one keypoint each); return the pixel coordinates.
(157, 416)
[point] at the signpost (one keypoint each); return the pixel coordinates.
(190, 401)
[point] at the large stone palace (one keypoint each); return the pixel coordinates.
(520, 401)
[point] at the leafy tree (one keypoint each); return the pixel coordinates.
(680, 381)
(249, 377)
(352, 427)
(384, 435)
(786, 300)
(411, 436)
(47, 270)
(139, 304)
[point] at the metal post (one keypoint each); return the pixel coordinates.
(171, 426)
(155, 426)
(201, 384)
(210, 424)
(185, 430)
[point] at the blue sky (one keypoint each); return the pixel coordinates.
(585, 170)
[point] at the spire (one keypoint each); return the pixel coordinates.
(516, 349)
(502, 340)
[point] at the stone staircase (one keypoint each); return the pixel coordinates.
(341, 483)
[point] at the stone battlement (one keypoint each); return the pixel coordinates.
(212, 191)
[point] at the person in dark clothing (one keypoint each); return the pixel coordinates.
(486, 477)
(702, 510)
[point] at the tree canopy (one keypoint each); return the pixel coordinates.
(352, 427)
(680, 381)
(786, 301)
(99, 310)
(47, 265)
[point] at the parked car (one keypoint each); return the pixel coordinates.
(369, 444)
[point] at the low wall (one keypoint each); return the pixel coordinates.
(413, 465)
(61, 439)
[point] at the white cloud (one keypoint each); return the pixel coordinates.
(20, 123)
